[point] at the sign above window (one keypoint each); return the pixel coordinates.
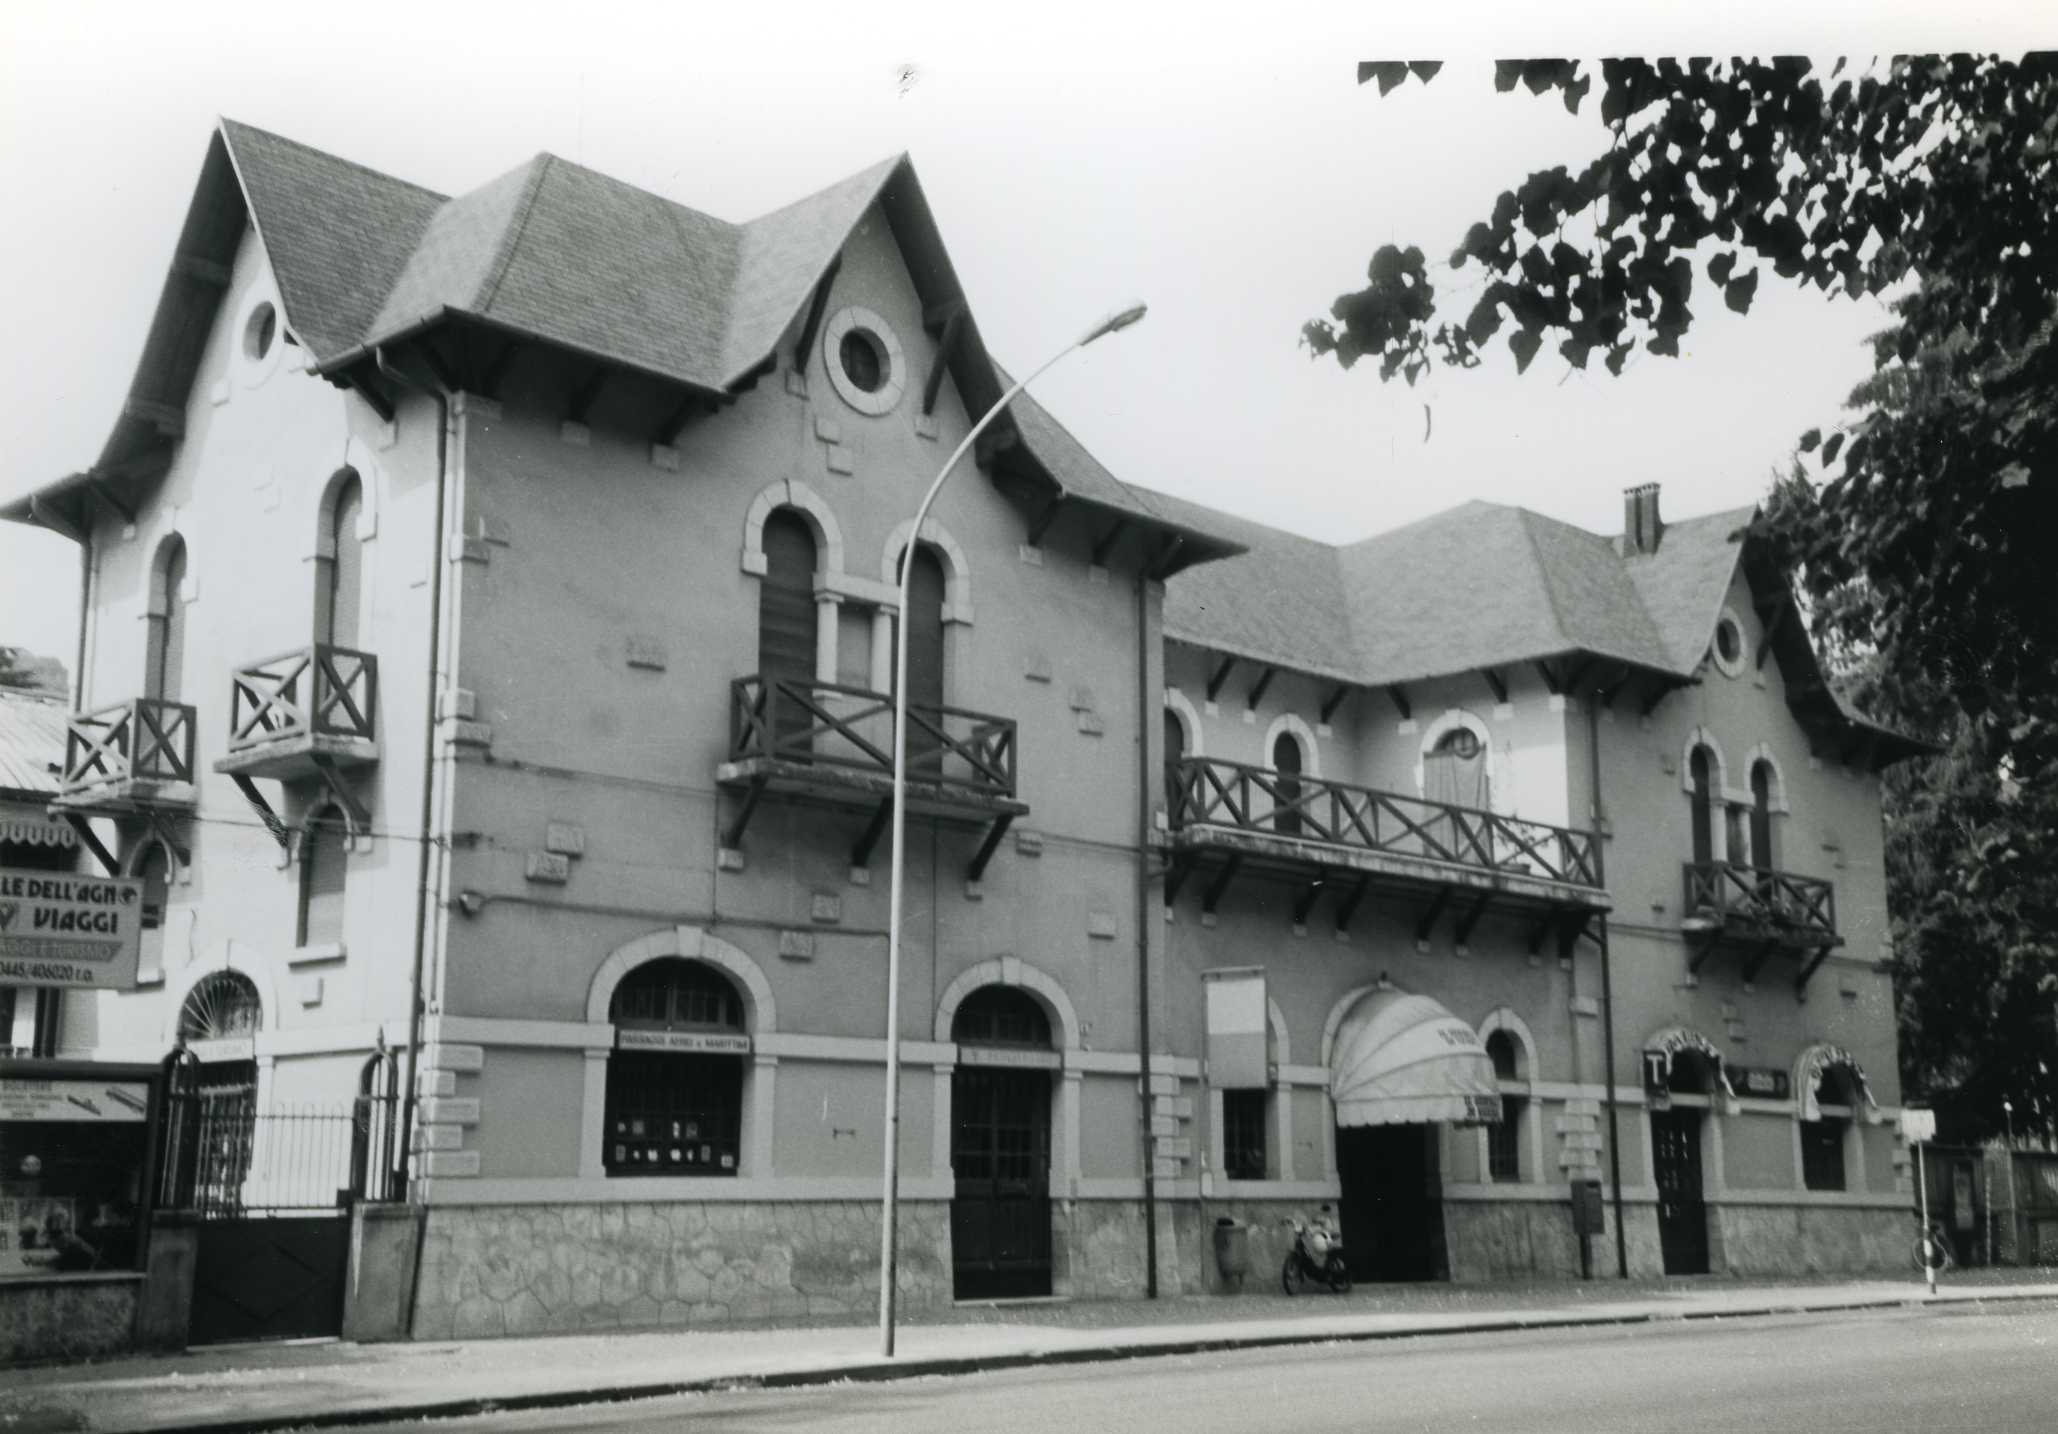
(692, 1042)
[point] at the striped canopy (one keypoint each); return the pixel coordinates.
(1402, 1060)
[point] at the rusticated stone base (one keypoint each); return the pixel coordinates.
(1811, 1239)
(67, 1317)
(1517, 1240)
(533, 1269)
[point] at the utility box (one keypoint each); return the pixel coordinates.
(1232, 1253)
(1588, 1217)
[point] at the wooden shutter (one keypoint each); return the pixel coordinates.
(1704, 812)
(786, 601)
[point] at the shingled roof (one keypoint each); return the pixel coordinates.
(551, 252)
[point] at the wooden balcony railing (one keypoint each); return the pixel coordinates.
(826, 726)
(143, 740)
(1754, 901)
(318, 691)
(1203, 791)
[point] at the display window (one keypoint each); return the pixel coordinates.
(75, 1142)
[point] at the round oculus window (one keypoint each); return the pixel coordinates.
(1729, 644)
(864, 361)
(260, 330)
(1460, 742)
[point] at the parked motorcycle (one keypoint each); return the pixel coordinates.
(1317, 1254)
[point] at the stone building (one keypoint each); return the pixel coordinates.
(576, 516)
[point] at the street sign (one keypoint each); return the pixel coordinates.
(68, 929)
(1918, 1126)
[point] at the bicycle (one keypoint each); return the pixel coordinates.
(1933, 1248)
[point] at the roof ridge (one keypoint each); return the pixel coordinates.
(224, 122)
(503, 259)
(891, 161)
(1544, 568)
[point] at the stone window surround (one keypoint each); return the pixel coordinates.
(1178, 703)
(1719, 790)
(1531, 1168)
(1288, 723)
(250, 372)
(1450, 720)
(1728, 667)
(893, 360)
(1278, 1114)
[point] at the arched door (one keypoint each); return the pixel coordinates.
(1000, 1146)
(1676, 1168)
(1286, 761)
(786, 627)
(338, 618)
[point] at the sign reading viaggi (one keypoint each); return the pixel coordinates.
(67, 929)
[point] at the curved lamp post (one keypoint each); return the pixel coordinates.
(890, 1206)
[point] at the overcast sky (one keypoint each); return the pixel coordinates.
(1235, 177)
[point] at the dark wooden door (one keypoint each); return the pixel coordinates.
(1682, 1209)
(1392, 1206)
(1000, 1154)
(786, 629)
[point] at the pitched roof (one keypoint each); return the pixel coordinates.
(31, 743)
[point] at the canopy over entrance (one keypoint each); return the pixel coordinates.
(1402, 1059)
(1815, 1063)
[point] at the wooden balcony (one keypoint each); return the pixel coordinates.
(826, 742)
(1228, 818)
(1759, 910)
(133, 757)
(292, 715)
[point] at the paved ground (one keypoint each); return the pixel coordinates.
(276, 1385)
(1990, 1369)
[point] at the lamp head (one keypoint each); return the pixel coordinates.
(1120, 319)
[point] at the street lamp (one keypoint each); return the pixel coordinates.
(889, 1208)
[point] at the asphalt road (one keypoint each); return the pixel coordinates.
(1958, 1370)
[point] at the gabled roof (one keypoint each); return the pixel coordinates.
(31, 743)
(550, 252)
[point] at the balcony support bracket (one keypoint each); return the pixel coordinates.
(1429, 918)
(1755, 962)
(1175, 876)
(1541, 932)
(1702, 950)
(92, 842)
(263, 808)
(1212, 897)
(1814, 963)
(1348, 908)
(1462, 933)
(1304, 901)
(987, 847)
(861, 854)
(354, 811)
(1579, 924)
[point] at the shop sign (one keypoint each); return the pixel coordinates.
(694, 1042)
(69, 930)
(73, 1101)
(1002, 1056)
(1760, 1082)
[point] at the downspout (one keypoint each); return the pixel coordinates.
(1143, 913)
(78, 672)
(1593, 744)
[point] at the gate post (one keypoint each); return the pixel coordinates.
(164, 1305)
(378, 1287)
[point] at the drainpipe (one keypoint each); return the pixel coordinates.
(415, 1009)
(1593, 744)
(78, 672)
(1143, 855)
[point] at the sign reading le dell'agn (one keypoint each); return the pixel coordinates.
(68, 929)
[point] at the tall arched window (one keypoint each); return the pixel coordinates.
(1454, 770)
(1761, 816)
(324, 868)
(786, 621)
(165, 651)
(1504, 1139)
(675, 1080)
(926, 590)
(339, 592)
(1700, 768)
(153, 869)
(1286, 761)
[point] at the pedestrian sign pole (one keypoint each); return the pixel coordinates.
(1918, 1127)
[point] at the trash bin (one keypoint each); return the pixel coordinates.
(1232, 1252)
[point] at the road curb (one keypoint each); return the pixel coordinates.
(901, 1370)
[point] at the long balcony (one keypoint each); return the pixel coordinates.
(1760, 910)
(1228, 818)
(831, 743)
(133, 756)
(292, 715)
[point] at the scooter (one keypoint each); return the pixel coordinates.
(1317, 1254)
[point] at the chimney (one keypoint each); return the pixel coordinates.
(1641, 526)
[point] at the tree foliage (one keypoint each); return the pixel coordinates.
(1923, 530)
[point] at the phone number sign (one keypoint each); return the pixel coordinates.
(70, 930)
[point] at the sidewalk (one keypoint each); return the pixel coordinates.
(329, 1384)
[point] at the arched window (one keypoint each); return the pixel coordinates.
(165, 643)
(1454, 770)
(786, 623)
(223, 1006)
(1761, 816)
(1175, 738)
(1001, 1016)
(675, 1080)
(324, 868)
(926, 590)
(1286, 761)
(153, 869)
(339, 571)
(1823, 1140)
(1700, 767)
(1504, 1138)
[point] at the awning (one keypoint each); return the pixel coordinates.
(35, 829)
(1403, 1060)
(1816, 1062)
(1669, 1042)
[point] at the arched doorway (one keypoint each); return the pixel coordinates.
(675, 1080)
(1681, 1064)
(218, 1025)
(1000, 1145)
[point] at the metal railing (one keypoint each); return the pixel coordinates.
(1204, 791)
(825, 724)
(142, 739)
(318, 690)
(1777, 903)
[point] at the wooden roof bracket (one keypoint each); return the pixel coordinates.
(1221, 675)
(1498, 683)
(1104, 545)
(368, 389)
(815, 306)
(1257, 692)
(1040, 525)
(1161, 564)
(1399, 694)
(496, 372)
(1773, 628)
(1553, 684)
(946, 351)
(1338, 695)
(584, 396)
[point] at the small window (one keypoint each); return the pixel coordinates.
(863, 362)
(1243, 1133)
(1504, 1142)
(1500, 1049)
(1822, 1153)
(259, 330)
(1729, 644)
(1001, 1016)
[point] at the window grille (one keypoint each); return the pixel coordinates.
(1243, 1133)
(1822, 1153)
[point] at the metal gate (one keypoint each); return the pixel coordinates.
(1000, 1213)
(271, 1190)
(1682, 1208)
